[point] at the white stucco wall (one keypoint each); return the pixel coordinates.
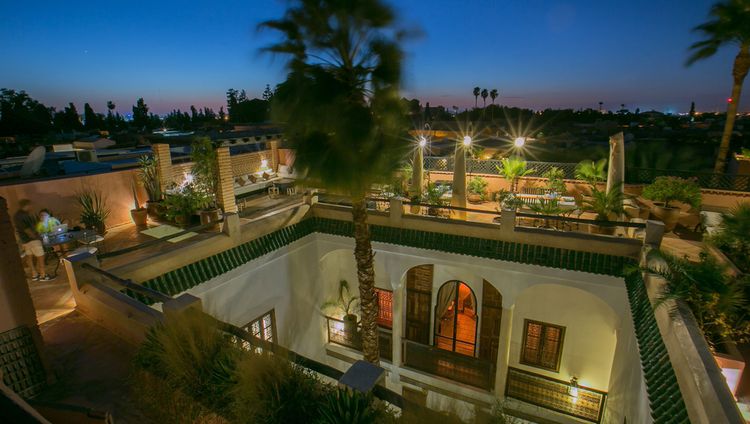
(297, 279)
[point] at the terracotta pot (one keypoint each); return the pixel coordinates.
(211, 215)
(598, 229)
(474, 198)
(182, 220)
(139, 217)
(668, 215)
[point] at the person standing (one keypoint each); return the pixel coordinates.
(31, 244)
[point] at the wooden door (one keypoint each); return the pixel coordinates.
(489, 333)
(418, 303)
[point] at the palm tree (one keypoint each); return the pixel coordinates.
(590, 171)
(600, 106)
(485, 93)
(343, 114)
(476, 96)
(729, 25)
(493, 96)
(513, 168)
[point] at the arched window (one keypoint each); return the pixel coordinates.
(456, 318)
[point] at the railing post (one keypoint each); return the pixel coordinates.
(654, 233)
(74, 271)
(396, 211)
(164, 160)
(232, 227)
(507, 221)
(175, 307)
(225, 190)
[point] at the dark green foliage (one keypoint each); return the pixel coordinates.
(717, 299)
(343, 406)
(733, 237)
(670, 189)
(272, 390)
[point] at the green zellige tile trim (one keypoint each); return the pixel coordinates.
(201, 271)
(665, 398)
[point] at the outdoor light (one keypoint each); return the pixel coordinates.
(573, 388)
(519, 142)
(188, 179)
(422, 141)
(467, 140)
(264, 164)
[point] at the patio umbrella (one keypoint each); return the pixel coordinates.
(616, 168)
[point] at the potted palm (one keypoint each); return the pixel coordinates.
(148, 174)
(434, 198)
(205, 170)
(606, 204)
(344, 306)
(664, 191)
(477, 188)
(591, 172)
(94, 211)
(513, 168)
(181, 205)
(138, 214)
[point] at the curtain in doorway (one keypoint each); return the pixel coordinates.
(446, 297)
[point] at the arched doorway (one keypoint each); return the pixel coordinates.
(456, 318)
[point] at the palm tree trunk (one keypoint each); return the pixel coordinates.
(739, 72)
(366, 276)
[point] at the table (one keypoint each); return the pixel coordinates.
(63, 242)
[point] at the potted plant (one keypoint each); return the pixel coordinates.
(138, 214)
(148, 174)
(183, 204)
(670, 189)
(605, 204)
(555, 181)
(344, 306)
(477, 188)
(434, 198)
(205, 170)
(513, 168)
(591, 172)
(94, 211)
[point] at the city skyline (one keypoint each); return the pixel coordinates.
(538, 54)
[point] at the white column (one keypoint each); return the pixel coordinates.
(459, 181)
(616, 166)
(503, 352)
(417, 177)
(399, 301)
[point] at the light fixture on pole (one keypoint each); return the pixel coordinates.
(467, 140)
(519, 142)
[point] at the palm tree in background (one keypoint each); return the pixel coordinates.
(729, 24)
(343, 114)
(485, 93)
(476, 96)
(493, 96)
(600, 106)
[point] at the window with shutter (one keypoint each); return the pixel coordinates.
(385, 308)
(542, 345)
(263, 328)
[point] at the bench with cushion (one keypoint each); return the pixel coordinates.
(258, 181)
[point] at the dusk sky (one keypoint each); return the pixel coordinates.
(537, 53)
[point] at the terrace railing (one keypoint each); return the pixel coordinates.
(557, 395)
(338, 334)
(633, 175)
(453, 366)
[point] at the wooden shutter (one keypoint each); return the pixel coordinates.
(542, 345)
(418, 303)
(385, 308)
(489, 332)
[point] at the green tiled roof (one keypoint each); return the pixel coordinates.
(20, 363)
(665, 398)
(201, 271)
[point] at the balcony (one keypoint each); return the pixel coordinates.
(338, 334)
(454, 366)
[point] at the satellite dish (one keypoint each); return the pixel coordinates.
(33, 162)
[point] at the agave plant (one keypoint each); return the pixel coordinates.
(343, 406)
(94, 211)
(604, 203)
(591, 172)
(148, 175)
(513, 168)
(346, 304)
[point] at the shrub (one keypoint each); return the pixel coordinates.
(733, 237)
(555, 180)
(670, 189)
(478, 186)
(343, 406)
(590, 171)
(271, 390)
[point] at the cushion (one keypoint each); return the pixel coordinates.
(252, 178)
(266, 176)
